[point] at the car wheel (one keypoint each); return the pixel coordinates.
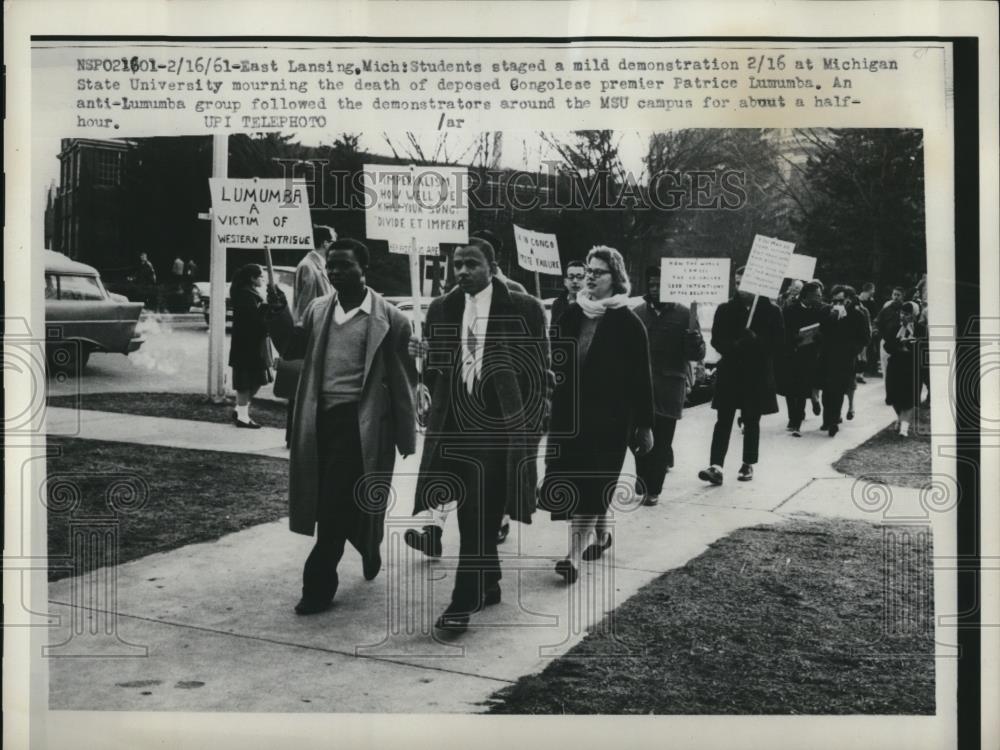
(68, 357)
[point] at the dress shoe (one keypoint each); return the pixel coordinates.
(427, 541)
(796, 432)
(817, 410)
(236, 417)
(456, 623)
(492, 595)
(650, 500)
(594, 551)
(251, 425)
(850, 414)
(832, 430)
(745, 474)
(567, 570)
(502, 533)
(711, 474)
(312, 606)
(371, 565)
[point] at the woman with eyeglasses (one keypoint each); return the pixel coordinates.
(602, 403)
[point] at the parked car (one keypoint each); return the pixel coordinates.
(82, 317)
(169, 296)
(284, 277)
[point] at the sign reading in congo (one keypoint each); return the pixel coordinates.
(687, 280)
(765, 269)
(416, 208)
(256, 213)
(537, 251)
(801, 267)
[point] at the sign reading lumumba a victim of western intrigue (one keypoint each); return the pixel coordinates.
(256, 213)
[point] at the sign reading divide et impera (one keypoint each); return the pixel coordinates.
(766, 266)
(416, 209)
(537, 251)
(254, 213)
(687, 280)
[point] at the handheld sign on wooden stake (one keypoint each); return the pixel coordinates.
(765, 269)
(270, 267)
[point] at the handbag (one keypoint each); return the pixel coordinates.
(286, 377)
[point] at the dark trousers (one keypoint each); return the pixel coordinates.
(833, 404)
(481, 471)
(724, 427)
(652, 468)
(796, 410)
(337, 515)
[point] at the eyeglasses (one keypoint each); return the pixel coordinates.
(596, 271)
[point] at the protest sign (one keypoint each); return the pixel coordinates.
(256, 213)
(801, 267)
(416, 209)
(687, 280)
(537, 251)
(765, 269)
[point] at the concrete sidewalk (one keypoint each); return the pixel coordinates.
(211, 625)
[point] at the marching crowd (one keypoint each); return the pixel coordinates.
(495, 382)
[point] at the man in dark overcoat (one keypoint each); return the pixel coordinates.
(845, 333)
(487, 368)
(745, 380)
(799, 358)
(673, 343)
(354, 409)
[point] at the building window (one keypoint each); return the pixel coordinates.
(108, 168)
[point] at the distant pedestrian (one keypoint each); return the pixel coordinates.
(673, 344)
(845, 333)
(191, 271)
(145, 279)
(799, 358)
(602, 404)
(887, 320)
(745, 380)
(902, 376)
(573, 279)
(250, 350)
(872, 307)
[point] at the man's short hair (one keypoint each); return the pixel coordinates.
(868, 287)
(322, 234)
(899, 289)
(491, 237)
(577, 263)
(809, 287)
(484, 246)
(651, 272)
(359, 248)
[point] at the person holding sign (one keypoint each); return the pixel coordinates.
(603, 403)
(353, 410)
(250, 352)
(673, 343)
(747, 332)
(486, 364)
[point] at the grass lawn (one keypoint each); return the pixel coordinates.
(790, 619)
(174, 405)
(193, 496)
(888, 458)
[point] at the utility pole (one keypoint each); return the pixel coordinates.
(217, 286)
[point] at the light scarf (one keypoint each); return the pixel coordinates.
(595, 308)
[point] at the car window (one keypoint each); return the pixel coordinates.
(79, 288)
(51, 286)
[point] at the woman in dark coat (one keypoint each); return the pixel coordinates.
(250, 349)
(796, 372)
(902, 375)
(845, 333)
(603, 400)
